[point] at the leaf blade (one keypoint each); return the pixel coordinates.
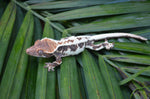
(112, 86)
(66, 4)
(14, 58)
(23, 62)
(6, 26)
(95, 88)
(69, 84)
(138, 48)
(133, 76)
(137, 59)
(115, 23)
(102, 10)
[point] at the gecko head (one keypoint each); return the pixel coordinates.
(42, 48)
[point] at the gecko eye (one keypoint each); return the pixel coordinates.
(40, 52)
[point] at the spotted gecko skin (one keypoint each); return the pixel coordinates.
(73, 45)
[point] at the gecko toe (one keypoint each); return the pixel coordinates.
(49, 66)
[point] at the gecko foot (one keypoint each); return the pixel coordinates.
(50, 66)
(108, 45)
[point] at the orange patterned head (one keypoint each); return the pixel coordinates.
(43, 48)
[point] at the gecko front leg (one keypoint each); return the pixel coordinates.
(51, 66)
(106, 44)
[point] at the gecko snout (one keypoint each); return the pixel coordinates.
(30, 51)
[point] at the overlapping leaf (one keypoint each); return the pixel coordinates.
(94, 83)
(69, 84)
(137, 69)
(67, 4)
(137, 89)
(133, 47)
(28, 90)
(6, 26)
(113, 89)
(114, 23)
(17, 62)
(137, 59)
(134, 75)
(102, 10)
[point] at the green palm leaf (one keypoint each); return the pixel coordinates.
(114, 23)
(6, 27)
(102, 10)
(17, 62)
(119, 73)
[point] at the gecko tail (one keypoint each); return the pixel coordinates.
(116, 35)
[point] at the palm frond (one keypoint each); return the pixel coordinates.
(119, 73)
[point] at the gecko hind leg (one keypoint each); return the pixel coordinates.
(51, 66)
(106, 44)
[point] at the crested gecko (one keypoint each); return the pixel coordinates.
(73, 45)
